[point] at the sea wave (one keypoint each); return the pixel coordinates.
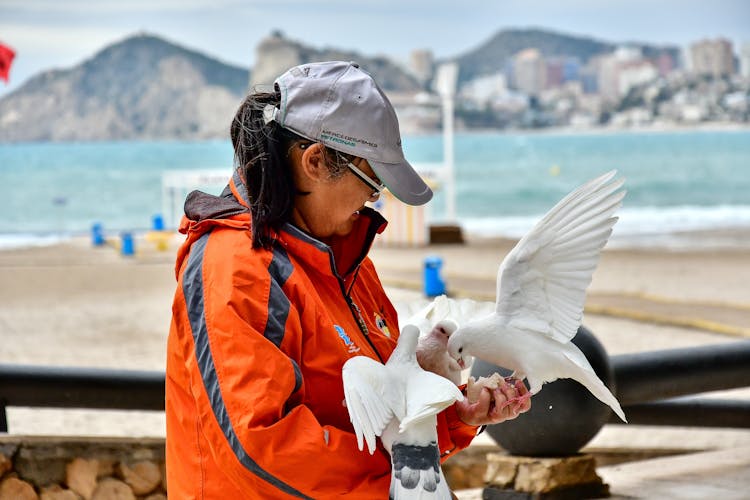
(14, 241)
(679, 226)
(674, 227)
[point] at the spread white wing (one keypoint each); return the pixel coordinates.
(423, 318)
(370, 398)
(542, 282)
(443, 307)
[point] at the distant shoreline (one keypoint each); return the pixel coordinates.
(729, 239)
(707, 127)
(567, 130)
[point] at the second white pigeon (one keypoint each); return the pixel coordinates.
(399, 401)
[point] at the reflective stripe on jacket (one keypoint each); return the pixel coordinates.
(254, 396)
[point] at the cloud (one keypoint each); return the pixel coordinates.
(57, 41)
(109, 6)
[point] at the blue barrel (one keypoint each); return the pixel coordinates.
(128, 245)
(97, 234)
(157, 222)
(433, 283)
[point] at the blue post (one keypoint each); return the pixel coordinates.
(97, 234)
(157, 222)
(433, 283)
(128, 245)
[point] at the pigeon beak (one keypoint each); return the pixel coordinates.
(461, 363)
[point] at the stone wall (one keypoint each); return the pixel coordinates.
(54, 468)
(75, 468)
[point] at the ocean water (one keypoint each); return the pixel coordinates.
(678, 182)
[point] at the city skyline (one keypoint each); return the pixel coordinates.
(47, 35)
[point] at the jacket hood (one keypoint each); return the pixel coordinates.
(200, 206)
(204, 212)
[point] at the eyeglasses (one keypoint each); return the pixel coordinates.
(377, 186)
(369, 181)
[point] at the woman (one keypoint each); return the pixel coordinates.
(276, 292)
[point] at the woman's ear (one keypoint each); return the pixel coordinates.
(313, 163)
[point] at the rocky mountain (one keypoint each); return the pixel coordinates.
(493, 55)
(143, 87)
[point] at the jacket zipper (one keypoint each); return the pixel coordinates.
(354, 308)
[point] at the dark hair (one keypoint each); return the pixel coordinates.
(261, 153)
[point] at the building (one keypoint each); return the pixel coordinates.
(665, 64)
(745, 60)
(633, 74)
(589, 75)
(273, 55)
(712, 57)
(484, 89)
(571, 69)
(611, 67)
(608, 77)
(421, 64)
(530, 72)
(555, 72)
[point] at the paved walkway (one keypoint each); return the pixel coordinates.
(722, 474)
(709, 475)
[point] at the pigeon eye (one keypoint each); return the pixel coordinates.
(460, 350)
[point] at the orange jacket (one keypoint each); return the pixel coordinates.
(254, 396)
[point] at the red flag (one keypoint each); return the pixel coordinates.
(6, 58)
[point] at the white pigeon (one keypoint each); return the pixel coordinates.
(541, 289)
(399, 401)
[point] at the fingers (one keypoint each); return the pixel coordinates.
(502, 401)
(475, 412)
(506, 401)
(483, 404)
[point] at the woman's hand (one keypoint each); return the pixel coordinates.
(493, 400)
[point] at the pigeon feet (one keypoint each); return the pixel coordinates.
(513, 392)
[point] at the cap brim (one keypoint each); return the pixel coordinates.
(402, 181)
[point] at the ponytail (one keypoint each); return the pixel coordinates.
(260, 155)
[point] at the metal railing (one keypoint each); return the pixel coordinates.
(646, 384)
(68, 387)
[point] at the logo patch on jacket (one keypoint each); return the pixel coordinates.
(382, 325)
(349, 343)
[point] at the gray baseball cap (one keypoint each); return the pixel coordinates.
(339, 105)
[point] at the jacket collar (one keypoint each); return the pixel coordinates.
(343, 256)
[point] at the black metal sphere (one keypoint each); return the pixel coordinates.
(564, 415)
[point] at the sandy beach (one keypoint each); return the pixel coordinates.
(74, 305)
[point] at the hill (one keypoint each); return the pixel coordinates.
(143, 87)
(493, 55)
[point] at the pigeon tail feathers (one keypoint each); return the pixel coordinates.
(588, 378)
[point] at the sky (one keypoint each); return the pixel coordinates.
(49, 34)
